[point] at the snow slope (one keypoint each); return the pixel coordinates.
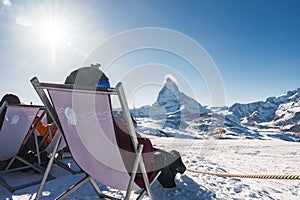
(269, 155)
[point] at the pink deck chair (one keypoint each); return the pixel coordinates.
(84, 116)
(14, 128)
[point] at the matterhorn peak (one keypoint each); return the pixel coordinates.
(174, 100)
(171, 85)
(169, 91)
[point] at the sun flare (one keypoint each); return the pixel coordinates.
(52, 33)
(51, 29)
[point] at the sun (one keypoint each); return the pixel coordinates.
(52, 35)
(52, 32)
(51, 29)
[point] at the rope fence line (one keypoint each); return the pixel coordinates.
(257, 176)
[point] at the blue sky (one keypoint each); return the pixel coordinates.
(255, 44)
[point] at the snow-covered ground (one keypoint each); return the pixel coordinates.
(269, 155)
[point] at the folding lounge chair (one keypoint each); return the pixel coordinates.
(85, 119)
(14, 128)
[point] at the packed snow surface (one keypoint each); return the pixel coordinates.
(269, 155)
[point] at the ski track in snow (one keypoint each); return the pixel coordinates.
(270, 156)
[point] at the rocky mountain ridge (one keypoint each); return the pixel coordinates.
(176, 110)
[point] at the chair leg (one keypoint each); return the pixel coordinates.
(39, 192)
(142, 194)
(99, 192)
(73, 188)
(37, 149)
(27, 165)
(133, 173)
(145, 177)
(30, 164)
(10, 163)
(96, 187)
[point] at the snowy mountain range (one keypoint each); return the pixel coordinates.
(278, 111)
(176, 111)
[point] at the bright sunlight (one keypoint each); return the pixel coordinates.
(52, 29)
(48, 24)
(52, 33)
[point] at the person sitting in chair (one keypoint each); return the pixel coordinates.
(28, 148)
(169, 163)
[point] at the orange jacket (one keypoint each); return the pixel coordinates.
(43, 130)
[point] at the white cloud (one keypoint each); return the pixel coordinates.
(170, 76)
(23, 22)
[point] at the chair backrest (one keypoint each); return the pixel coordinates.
(16, 124)
(86, 120)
